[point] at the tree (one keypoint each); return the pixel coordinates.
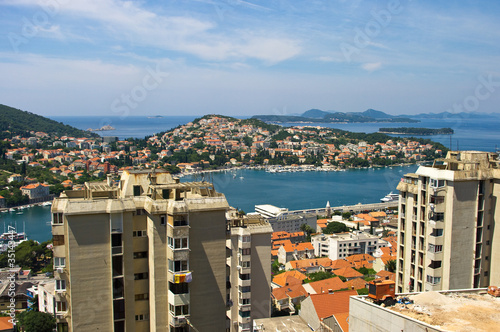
(335, 227)
(308, 230)
(391, 265)
(35, 321)
(317, 276)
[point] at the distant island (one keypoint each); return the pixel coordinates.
(416, 131)
(103, 128)
(319, 116)
(155, 117)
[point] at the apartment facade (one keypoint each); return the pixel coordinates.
(146, 255)
(447, 232)
(249, 261)
(340, 246)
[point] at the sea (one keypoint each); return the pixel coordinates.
(245, 188)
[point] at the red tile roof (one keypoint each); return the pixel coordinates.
(292, 291)
(325, 285)
(282, 278)
(327, 305)
(348, 272)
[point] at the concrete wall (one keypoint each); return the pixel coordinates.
(461, 216)
(368, 317)
(308, 313)
(89, 242)
(261, 275)
(207, 261)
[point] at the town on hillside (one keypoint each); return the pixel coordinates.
(36, 159)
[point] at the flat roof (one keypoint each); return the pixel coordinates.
(467, 310)
(282, 324)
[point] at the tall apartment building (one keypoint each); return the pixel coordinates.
(340, 246)
(148, 254)
(447, 232)
(250, 266)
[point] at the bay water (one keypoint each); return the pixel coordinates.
(245, 188)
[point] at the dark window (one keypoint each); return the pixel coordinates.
(137, 190)
(120, 326)
(118, 309)
(58, 240)
(180, 288)
(140, 276)
(116, 240)
(118, 288)
(117, 265)
(141, 254)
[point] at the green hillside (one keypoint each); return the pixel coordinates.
(18, 122)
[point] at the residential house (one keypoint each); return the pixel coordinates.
(327, 309)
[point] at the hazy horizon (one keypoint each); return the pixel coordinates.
(243, 58)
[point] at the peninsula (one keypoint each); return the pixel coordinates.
(416, 131)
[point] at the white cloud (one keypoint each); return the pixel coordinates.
(371, 66)
(129, 22)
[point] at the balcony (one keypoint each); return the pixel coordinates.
(178, 321)
(178, 299)
(244, 283)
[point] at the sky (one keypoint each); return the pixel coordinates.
(242, 58)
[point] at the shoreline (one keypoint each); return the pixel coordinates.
(26, 206)
(287, 169)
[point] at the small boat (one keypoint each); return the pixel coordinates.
(390, 198)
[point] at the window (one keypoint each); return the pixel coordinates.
(61, 306)
(163, 219)
(245, 276)
(178, 310)
(178, 243)
(435, 248)
(60, 285)
(117, 263)
(244, 238)
(244, 289)
(140, 276)
(140, 254)
(58, 240)
(437, 232)
(244, 264)
(436, 183)
(141, 297)
(59, 262)
(142, 317)
(116, 240)
(57, 218)
(137, 190)
(244, 314)
(180, 221)
(433, 280)
(179, 288)
(139, 233)
(244, 301)
(435, 264)
(245, 251)
(178, 266)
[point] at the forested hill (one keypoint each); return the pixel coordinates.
(18, 122)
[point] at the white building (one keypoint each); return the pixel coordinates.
(338, 246)
(281, 219)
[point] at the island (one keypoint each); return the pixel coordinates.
(416, 131)
(103, 128)
(155, 117)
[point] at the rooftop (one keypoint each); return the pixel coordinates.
(461, 310)
(282, 324)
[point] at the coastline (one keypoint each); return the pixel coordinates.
(287, 169)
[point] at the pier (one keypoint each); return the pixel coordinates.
(348, 208)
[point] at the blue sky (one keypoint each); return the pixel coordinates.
(182, 57)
